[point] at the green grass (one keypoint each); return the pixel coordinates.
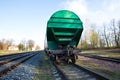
(1, 52)
(44, 70)
(8, 52)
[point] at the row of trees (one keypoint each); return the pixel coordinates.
(22, 46)
(106, 37)
(5, 44)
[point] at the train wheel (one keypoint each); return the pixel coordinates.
(67, 60)
(73, 59)
(52, 57)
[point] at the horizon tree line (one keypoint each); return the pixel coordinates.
(106, 37)
(22, 46)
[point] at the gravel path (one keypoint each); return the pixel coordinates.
(25, 71)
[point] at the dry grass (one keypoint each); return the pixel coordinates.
(8, 52)
(104, 53)
(108, 69)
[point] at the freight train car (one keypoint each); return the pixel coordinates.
(64, 29)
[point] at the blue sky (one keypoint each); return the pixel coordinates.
(26, 19)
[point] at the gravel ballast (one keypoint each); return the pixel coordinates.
(25, 71)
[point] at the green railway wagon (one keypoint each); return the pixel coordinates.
(64, 28)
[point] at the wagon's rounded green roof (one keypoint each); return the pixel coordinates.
(65, 19)
(65, 14)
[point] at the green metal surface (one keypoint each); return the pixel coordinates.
(63, 28)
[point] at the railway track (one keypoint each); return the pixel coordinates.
(115, 60)
(8, 56)
(12, 62)
(75, 72)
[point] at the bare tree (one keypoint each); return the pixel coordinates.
(37, 47)
(106, 36)
(5, 44)
(30, 44)
(100, 39)
(1, 45)
(21, 47)
(119, 32)
(84, 44)
(115, 33)
(24, 42)
(94, 39)
(9, 43)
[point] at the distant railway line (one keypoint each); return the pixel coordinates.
(76, 72)
(8, 56)
(9, 62)
(115, 60)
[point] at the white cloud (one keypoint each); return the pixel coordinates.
(77, 6)
(109, 11)
(81, 9)
(104, 12)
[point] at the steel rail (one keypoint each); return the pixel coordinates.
(7, 69)
(110, 59)
(90, 73)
